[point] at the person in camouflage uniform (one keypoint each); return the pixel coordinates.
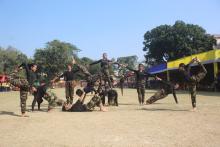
(141, 77)
(80, 107)
(166, 89)
(44, 92)
(69, 76)
(91, 79)
(32, 78)
(192, 80)
(105, 65)
(23, 85)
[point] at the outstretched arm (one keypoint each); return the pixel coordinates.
(150, 75)
(24, 66)
(114, 62)
(57, 78)
(83, 69)
(96, 62)
(75, 63)
(131, 69)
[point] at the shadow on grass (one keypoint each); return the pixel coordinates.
(9, 113)
(128, 104)
(205, 93)
(43, 108)
(160, 109)
(36, 110)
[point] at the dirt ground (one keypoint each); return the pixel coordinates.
(161, 124)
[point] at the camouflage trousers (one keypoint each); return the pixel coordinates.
(69, 90)
(192, 86)
(52, 99)
(24, 88)
(141, 92)
(95, 101)
(157, 96)
(106, 77)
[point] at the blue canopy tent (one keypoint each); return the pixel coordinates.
(157, 69)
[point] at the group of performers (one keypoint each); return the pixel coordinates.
(100, 84)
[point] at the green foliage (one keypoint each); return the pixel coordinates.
(167, 43)
(53, 59)
(131, 61)
(10, 58)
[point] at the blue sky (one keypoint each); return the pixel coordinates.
(96, 26)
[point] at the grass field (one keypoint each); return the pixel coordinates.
(163, 124)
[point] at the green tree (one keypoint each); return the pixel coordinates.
(131, 61)
(10, 58)
(167, 43)
(54, 58)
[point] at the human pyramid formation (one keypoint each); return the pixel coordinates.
(41, 90)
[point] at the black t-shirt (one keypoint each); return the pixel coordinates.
(105, 63)
(32, 77)
(141, 76)
(77, 107)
